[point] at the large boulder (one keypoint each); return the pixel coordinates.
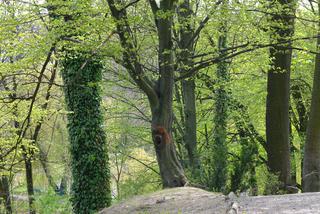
(188, 200)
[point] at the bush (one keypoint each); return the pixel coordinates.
(51, 203)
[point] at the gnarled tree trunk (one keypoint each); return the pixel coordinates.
(170, 168)
(159, 91)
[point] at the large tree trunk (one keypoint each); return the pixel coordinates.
(82, 74)
(171, 171)
(159, 94)
(89, 155)
(170, 168)
(311, 161)
(278, 92)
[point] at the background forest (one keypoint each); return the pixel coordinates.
(101, 100)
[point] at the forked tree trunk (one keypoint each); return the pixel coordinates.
(311, 161)
(160, 91)
(171, 171)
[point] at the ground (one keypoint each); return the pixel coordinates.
(188, 200)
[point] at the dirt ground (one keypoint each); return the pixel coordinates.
(188, 200)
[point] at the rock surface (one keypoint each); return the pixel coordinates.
(188, 200)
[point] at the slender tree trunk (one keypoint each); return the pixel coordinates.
(178, 129)
(219, 149)
(5, 187)
(190, 131)
(44, 163)
(302, 118)
(299, 121)
(188, 87)
(64, 183)
(27, 157)
(311, 162)
(278, 92)
(43, 156)
(248, 155)
(29, 179)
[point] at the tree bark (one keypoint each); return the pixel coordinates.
(43, 157)
(186, 46)
(190, 125)
(160, 91)
(311, 161)
(278, 92)
(170, 168)
(5, 193)
(29, 179)
(221, 97)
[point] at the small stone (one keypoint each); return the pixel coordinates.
(231, 196)
(234, 208)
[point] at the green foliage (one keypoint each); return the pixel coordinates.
(27, 33)
(270, 183)
(50, 202)
(137, 179)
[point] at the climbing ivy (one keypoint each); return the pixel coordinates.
(90, 168)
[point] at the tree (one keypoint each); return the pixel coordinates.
(219, 147)
(185, 52)
(82, 73)
(5, 193)
(278, 90)
(311, 161)
(159, 91)
(89, 157)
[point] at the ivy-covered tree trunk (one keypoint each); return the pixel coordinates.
(89, 157)
(311, 161)
(243, 177)
(219, 147)
(278, 91)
